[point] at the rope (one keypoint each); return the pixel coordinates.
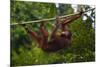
(38, 21)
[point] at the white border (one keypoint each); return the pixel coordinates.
(4, 33)
(86, 2)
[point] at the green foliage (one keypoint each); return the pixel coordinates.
(25, 51)
(65, 9)
(27, 11)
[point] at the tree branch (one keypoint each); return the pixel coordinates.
(39, 21)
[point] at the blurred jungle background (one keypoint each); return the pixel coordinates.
(25, 51)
